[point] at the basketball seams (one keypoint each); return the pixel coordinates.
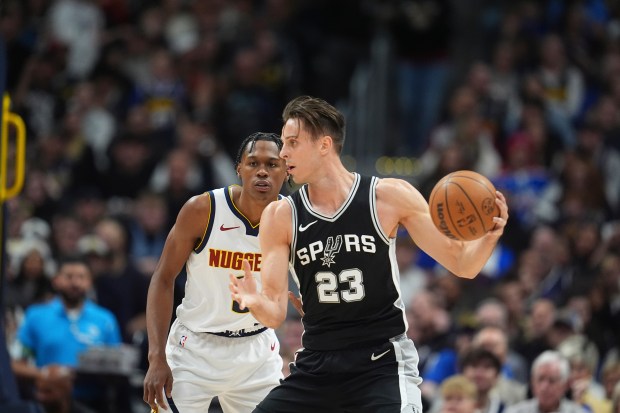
(472, 203)
(485, 185)
(448, 209)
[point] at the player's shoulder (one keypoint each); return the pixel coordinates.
(199, 203)
(278, 209)
(392, 186)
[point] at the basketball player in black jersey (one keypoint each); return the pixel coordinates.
(337, 235)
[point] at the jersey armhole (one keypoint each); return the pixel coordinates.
(202, 242)
(374, 215)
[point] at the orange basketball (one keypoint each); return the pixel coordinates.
(462, 205)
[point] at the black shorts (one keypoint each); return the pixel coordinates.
(378, 379)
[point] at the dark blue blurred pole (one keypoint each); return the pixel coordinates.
(2, 206)
(8, 386)
(10, 401)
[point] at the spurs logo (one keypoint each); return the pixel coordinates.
(318, 250)
(331, 249)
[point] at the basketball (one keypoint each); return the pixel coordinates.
(462, 205)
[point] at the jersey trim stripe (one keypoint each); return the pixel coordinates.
(209, 226)
(294, 232)
(249, 228)
(398, 303)
(308, 205)
(292, 256)
(373, 211)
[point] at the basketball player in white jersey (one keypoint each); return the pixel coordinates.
(214, 348)
(337, 237)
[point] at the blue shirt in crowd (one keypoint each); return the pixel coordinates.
(56, 336)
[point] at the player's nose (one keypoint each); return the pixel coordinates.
(284, 152)
(262, 171)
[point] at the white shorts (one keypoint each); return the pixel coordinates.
(240, 371)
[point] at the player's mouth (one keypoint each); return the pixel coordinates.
(289, 168)
(262, 185)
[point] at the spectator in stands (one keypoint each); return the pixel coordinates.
(177, 178)
(591, 144)
(583, 387)
(458, 395)
(578, 191)
(54, 388)
(616, 399)
(32, 281)
(563, 85)
(549, 381)
(510, 291)
(538, 323)
(121, 288)
(610, 376)
(89, 206)
(131, 164)
(483, 368)
(57, 332)
(605, 296)
(66, 232)
(524, 177)
(492, 313)
(148, 230)
(495, 340)
(464, 127)
(78, 25)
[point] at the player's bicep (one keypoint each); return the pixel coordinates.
(407, 207)
(183, 237)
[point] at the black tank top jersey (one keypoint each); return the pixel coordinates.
(346, 271)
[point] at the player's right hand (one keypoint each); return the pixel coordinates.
(158, 380)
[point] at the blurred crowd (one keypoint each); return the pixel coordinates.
(133, 106)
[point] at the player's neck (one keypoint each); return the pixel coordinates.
(249, 207)
(330, 191)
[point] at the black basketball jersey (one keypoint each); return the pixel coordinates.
(346, 271)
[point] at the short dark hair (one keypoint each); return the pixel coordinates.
(252, 139)
(319, 118)
(72, 259)
(477, 355)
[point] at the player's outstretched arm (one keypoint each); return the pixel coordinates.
(268, 305)
(180, 242)
(398, 202)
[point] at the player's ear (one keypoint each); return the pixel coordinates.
(326, 142)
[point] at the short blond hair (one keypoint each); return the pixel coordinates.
(459, 385)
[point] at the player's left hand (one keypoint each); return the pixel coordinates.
(502, 219)
(244, 289)
(296, 301)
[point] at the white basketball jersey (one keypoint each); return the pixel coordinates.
(229, 239)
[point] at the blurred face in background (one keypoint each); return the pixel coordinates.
(483, 374)
(548, 386)
(458, 403)
(72, 282)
